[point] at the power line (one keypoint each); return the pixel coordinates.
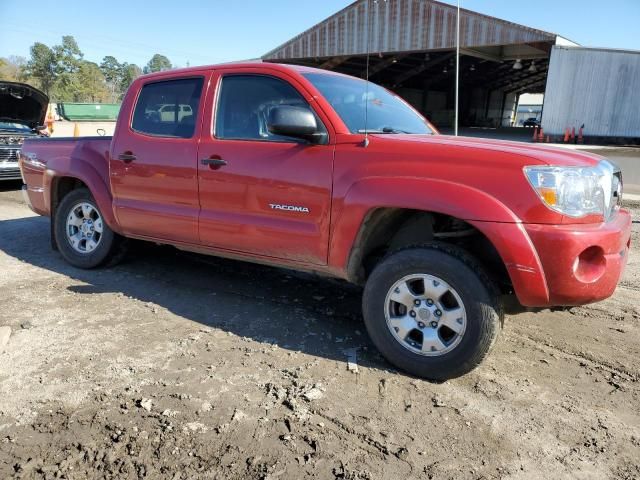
(136, 48)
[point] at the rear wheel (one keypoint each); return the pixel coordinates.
(82, 236)
(432, 311)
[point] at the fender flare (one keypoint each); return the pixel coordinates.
(486, 213)
(91, 168)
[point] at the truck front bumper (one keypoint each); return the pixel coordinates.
(582, 263)
(34, 198)
(562, 265)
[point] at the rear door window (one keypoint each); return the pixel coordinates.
(167, 109)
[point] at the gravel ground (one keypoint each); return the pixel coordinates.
(179, 366)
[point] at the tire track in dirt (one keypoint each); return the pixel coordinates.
(365, 439)
(627, 285)
(580, 357)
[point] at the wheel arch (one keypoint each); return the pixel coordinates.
(79, 171)
(62, 182)
(386, 230)
(375, 211)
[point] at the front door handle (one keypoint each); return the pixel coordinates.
(214, 163)
(127, 157)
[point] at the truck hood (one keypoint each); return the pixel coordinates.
(22, 103)
(525, 153)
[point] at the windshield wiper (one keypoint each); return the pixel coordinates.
(393, 130)
(382, 130)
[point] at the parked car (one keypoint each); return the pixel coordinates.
(166, 113)
(22, 112)
(314, 170)
(531, 122)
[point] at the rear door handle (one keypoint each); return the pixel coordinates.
(127, 157)
(213, 162)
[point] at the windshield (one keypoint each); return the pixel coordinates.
(387, 113)
(18, 127)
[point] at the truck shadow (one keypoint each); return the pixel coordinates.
(296, 311)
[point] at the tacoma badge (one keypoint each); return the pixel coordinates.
(289, 208)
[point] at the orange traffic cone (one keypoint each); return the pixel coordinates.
(541, 135)
(76, 130)
(566, 135)
(535, 134)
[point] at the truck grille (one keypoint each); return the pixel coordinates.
(9, 173)
(9, 163)
(9, 154)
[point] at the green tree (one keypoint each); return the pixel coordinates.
(68, 55)
(42, 66)
(90, 84)
(129, 72)
(68, 62)
(63, 73)
(13, 69)
(112, 71)
(111, 68)
(158, 63)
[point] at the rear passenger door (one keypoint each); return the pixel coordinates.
(153, 161)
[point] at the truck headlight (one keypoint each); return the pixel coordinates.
(577, 191)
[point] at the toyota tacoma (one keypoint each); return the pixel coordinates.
(317, 171)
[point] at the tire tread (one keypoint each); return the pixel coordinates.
(490, 309)
(103, 255)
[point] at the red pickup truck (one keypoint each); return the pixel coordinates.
(317, 171)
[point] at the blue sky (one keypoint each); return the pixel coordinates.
(201, 32)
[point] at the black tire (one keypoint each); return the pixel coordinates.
(111, 247)
(477, 292)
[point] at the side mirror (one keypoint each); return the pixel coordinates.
(296, 122)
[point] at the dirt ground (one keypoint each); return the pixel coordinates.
(177, 366)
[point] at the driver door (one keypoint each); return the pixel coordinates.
(262, 194)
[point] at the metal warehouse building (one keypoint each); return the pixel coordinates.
(412, 47)
(599, 88)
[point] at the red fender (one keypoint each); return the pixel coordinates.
(88, 162)
(497, 222)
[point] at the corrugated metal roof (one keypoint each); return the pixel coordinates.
(402, 26)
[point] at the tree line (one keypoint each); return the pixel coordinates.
(62, 72)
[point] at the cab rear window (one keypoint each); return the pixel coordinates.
(168, 109)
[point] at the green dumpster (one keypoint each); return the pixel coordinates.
(89, 112)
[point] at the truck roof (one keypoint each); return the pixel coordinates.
(233, 65)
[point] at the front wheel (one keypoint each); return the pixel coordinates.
(82, 236)
(431, 311)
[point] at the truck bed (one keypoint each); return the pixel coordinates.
(82, 154)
